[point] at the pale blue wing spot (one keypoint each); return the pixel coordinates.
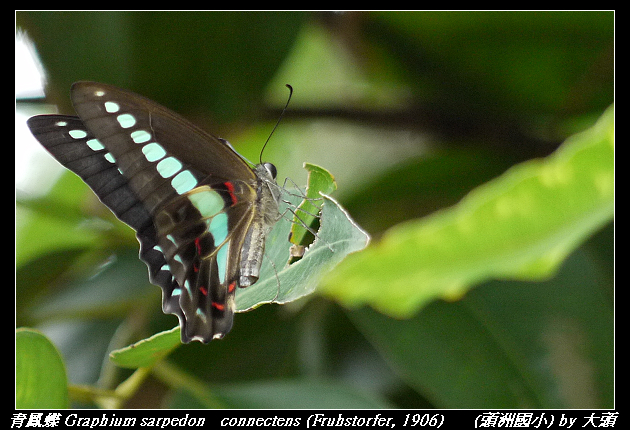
(208, 203)
(201, 315)
(176, 292)
(153, 151)
(184, 182)
(140, 136)
(157, 248)
(168, 167)
(99, 93)
(126, 120)
(219, 227)
(187, 286)
(109, 157)
(177, 258)
(222, 256)
(61, 123)
(95, 145)
(77, 134)
(165, 268)
(112, 107)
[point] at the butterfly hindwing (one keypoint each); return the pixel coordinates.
(199, 211)
(200, 234)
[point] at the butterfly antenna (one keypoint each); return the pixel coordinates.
(278, 122)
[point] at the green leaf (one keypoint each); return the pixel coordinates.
(521, 225)
(148, 351)
(40, 374)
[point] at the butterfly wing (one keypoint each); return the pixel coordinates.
(187, 194)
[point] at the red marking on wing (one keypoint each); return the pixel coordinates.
(230, 188)
(203, 290)
(218, 306)
(231, 287)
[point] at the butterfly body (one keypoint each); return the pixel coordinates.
(200, 212)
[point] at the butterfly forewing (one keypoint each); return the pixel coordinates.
(190, 197)
(74, 146)
(98, 104)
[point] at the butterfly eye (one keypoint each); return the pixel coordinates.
(271, 169)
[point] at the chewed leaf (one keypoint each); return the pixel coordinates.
(281, 282)
(307, 213)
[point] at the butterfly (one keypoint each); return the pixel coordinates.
(200, 212)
